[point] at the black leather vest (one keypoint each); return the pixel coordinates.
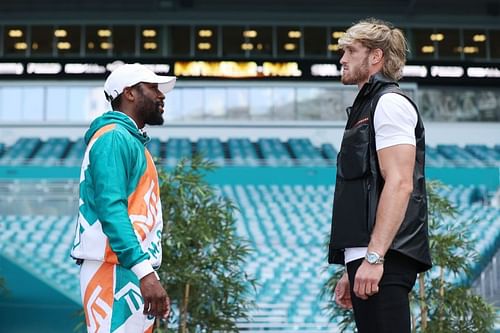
(359, 183)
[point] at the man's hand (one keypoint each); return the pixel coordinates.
(343, 293)
(156, 302)
(367, 279)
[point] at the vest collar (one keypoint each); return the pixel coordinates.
(376, 81)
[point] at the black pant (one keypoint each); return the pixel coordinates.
(388, 311)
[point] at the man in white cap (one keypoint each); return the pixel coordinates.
(118, 235)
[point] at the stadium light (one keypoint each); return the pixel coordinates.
(204, 46)
(471, 49)
(60, 33)
(21, 46)
(149, 33)
(205, 33)
(333, 47)
(150, 46)
(104, 33)
(63, 45)
(437, 37)
(250, 33)
(106, 45)
(337, 34)
(479, 38)
(247, 46)
(14, 33)
(427, 49)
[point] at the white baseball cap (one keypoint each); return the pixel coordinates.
(130, 74)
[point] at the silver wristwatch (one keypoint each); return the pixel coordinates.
(374, 258)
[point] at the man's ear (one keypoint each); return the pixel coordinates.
(376, 56)
(128, 94)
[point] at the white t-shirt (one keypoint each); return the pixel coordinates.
(394, 121)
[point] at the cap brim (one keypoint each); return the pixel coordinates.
(166, 83)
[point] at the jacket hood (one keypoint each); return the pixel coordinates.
(119, 118)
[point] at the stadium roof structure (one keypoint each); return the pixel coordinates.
(483, 13)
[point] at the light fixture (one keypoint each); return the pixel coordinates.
(294, 34)
(63, 45)
(247, 46)
(337, 34)
(60, 33)
(104, 33)
(289, 46)
(106, 45)
(149, 33)
(333, 47)
(204, 46)
(470, 49)
(34, 46)
(15, 33)
(150, 46)
(437, 37)
(427, 49)
(479, 38)
(90, 45)
(205, 33)
(250, 33)
(21, 46)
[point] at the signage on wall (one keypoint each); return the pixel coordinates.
(226, 69)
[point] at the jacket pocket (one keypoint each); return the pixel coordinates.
(350, 214)
(353, 158)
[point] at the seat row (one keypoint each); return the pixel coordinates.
(287, 227)
(235, 151)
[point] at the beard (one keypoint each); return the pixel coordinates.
(152, 115)
(356, 74)
(150, 110)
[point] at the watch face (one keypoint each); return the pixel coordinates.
(371, 258)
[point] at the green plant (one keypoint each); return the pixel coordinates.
(438, 305)
(445, 307)
(202, 254)
(346, 323)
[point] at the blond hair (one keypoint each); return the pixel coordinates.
(377, 34)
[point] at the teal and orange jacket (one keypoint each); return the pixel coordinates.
(120, 217)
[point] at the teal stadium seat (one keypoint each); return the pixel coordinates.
(242, 152)
(176, 149)
(305, 153)
(212, 149)
(274, 152)
(75, 153)
(329, 152)
(488, 155)
(154, 147)
(21, 151)
(459, 157)
(51, 152)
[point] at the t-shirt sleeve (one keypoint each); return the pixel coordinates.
(394, 121)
